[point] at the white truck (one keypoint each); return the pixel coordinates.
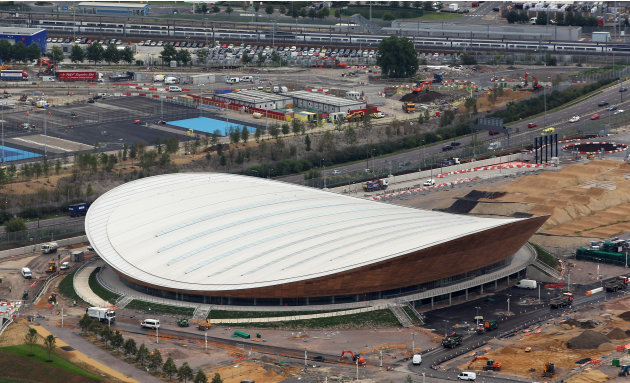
(494, 145)
(170, 80)
(50, 247)
(453, 7)
(527, 284)
(101, 313)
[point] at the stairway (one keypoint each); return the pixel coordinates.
(401, 315)
(201, 312)
(123, 301)
(416, 313)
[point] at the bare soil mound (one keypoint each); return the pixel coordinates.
(589, 339)
(617, 333)
(423, 96)
(585, 324)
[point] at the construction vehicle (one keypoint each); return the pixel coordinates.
(356, 357)
(204, 325)
(437, 78)
(488, 325)
(355, 116)
(452, 341)
(564, 300)
(625, 370)
(50, 247)
(52, 298)
(420, 86)
(535, 84)
(52, 266)
(378, 184)
(50, 68)
(409, 107)
(103, 314)
(491, 365)
(549, 370)
(23, 98)
(617, 284)
(183, 322)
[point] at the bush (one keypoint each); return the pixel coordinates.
(544, 256)
(15, 224)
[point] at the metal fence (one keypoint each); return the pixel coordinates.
(34, 236)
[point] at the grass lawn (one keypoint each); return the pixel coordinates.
(17, 364)
(160, 309)
(378, 318)
(67, 288)
(225, 314)
(100, 290)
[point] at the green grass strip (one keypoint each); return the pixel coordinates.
(66, 287)
(544, 256)
(378, 318)
(151, 307)
(100, 290)
(41, 356)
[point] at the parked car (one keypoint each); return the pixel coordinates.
(595, 117)
(619, 111)
(623, 89)
(492, 132)
(574, 119)
(602, 103)
(336, 172)
(429, 182)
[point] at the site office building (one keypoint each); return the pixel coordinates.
(26, 35)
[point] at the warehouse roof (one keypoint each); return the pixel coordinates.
(253, 96)
(324, 98)
(19, 31)
(217, 232)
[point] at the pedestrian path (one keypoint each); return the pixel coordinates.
(82, 286)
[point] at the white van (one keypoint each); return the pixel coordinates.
(527, 284)
(26, 273)
(276, 89)
(247, 79)
(417, 359)
(150, 323)
(170, 80)
(232, 80)
(532, 21)
(494, 145)
(174, 88)
(467, 375)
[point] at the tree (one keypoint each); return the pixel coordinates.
(338, 14)
(77, 54)
(468, 59)
(275, 58)
(185, 372)
(33, 52)
(94, 52)
(106, 334)
(312, 13)
(229, 10)
(397, 57)
(155, 360)
(85, 322)
(246, 59)
(258, 133)
(56, 54)
(285, 129)
(15, 224)
(142, 354)
(512, 17)
(302, 12)
(129, 348)
(168, 54)
(19, 51)
(542, 18)
(269, 9)
(183, 55)
(200, 377)
(235, 135)
(49, 345)
(117, 340)
(30, 339)
(202, 55)
(307, 142)
(127, 55)
(217, 378)
(169, 368)
(5, 50)
(244, 134)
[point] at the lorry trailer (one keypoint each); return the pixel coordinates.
(78, 209)
(378, 184)
(13, 75)
(80, 75)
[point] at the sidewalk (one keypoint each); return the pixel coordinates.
(95, 356)
(82, 286)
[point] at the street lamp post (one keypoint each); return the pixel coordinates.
(445, 327)
(413, 342)
(477, 316)
(508, 303)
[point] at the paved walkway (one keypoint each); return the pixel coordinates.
(106, 363)
(82, 286)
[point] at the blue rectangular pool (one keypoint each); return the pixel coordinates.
(209, 125)
(11, 154)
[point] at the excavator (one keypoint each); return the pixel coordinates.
(50, 68)
(535, 84)
(355, 357)
(52, 266)
(420, 86)
(549, 370)
(491, 365)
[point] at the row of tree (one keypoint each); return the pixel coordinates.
(151, 360)
(18, 52)
(560, 18)
(95, 52)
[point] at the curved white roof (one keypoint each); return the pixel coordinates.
(216, 232)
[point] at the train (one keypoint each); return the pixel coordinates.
(310, 38)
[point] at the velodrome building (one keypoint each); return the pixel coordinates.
(228, 239)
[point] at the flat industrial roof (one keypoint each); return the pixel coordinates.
(324, 98)
(253, 96)
(17, 31)
(220, 232)
(112, 5)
